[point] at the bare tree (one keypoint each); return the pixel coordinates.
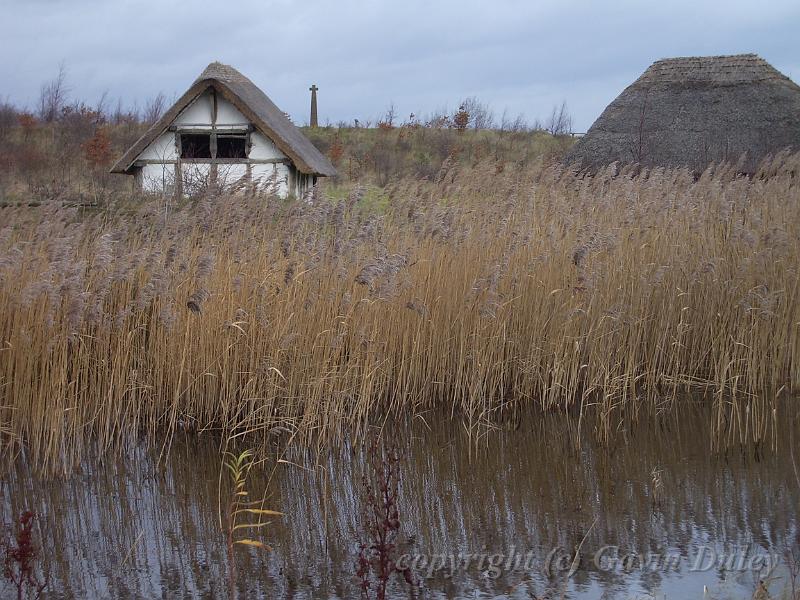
(438, 119)
(517, 125)
(154, 108)
(118, 115)
(480, 114)
(102, 106)
(53, 96)
(520, 124)
(560, 121)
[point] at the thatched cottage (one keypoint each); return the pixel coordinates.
(694, 111)
(224, 131)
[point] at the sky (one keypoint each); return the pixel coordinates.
(521, 57)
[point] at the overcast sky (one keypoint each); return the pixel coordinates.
(519, 56)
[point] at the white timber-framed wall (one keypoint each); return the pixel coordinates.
(211, 142)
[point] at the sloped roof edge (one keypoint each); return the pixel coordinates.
(250, 101)
(694, 111)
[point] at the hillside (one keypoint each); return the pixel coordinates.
(68, 159)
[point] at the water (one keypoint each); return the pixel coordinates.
(479, 518)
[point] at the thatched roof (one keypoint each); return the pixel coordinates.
(253, 104)
(694, 111)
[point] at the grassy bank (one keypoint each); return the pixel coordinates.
(479, 292)
(67, 160)
(381, 155)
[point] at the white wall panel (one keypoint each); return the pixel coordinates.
(263, 148)
(199, 111)
(157, 179)
(162, 148)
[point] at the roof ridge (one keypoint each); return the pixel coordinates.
(749, 55)
(727, 69)
(223, 72)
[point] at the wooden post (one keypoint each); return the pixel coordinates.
(249, 187)
(177, 185)
(213, 141)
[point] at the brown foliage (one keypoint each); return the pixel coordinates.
(28, 124)
(461, 118)
(336, 150)
(97, 149)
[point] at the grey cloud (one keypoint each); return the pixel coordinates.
(523, 56)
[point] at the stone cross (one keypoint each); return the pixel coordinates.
(313, 90)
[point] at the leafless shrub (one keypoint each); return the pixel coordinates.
(480, 114)
(154, 108)
(560, 121)
(53, 96)
(516, 125)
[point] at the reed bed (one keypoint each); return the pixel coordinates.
(482, 294)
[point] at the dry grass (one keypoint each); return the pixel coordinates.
(480, 293)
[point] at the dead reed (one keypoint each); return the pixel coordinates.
(480, 293)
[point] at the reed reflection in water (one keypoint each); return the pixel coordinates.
(137, 527)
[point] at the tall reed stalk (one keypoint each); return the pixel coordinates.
(478, 294)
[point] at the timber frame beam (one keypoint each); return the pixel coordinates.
(207, 161)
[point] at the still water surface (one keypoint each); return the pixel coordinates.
(479, 519)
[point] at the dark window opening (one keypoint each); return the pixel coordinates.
(229, 146)
(195, 145)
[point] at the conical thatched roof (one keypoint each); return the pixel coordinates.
(694, 111)
(251, 102)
